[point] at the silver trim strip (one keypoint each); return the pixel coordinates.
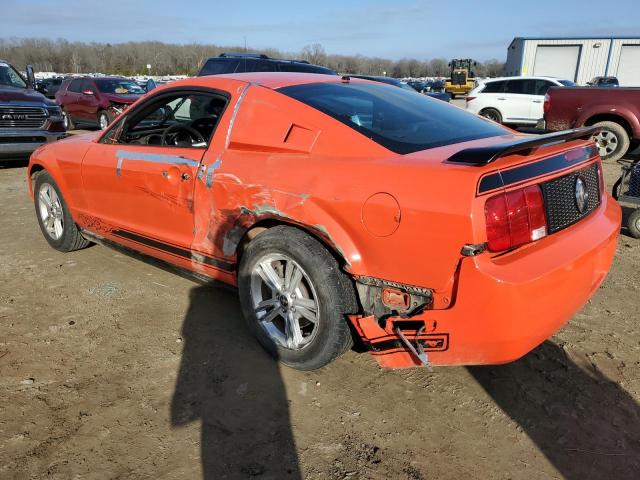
(152, 157)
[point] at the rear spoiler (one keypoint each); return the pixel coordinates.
(480, 156)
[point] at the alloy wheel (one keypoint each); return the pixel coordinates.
(607, 142)
(104, 121)
(51, 212)
(284, 301)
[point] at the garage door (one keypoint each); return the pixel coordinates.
(629, 66)
(559, 61)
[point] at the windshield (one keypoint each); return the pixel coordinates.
(567, 83)
(118, 86)
(9, 76)
(399, 120)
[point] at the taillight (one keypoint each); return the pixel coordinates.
(515, 218)
(547, 103)
(468, 99)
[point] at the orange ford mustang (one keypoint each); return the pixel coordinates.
(344, 209)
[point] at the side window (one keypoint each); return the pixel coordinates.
(87, 85)
(494, 87)
(178, 120)
(515, 87)
(542, 86)
(76, 85)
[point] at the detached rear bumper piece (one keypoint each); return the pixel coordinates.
(506, 305)
(24, 142)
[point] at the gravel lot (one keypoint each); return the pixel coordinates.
(114, 368)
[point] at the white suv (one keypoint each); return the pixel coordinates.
(512, 100)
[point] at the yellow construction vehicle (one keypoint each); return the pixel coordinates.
(461, 80)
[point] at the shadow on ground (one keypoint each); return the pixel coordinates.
(587, 426)
(229, 385)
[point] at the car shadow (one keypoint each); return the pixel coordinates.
(233, 388)
(13, 163)
(586, 425)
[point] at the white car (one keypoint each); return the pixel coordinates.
(512, 100)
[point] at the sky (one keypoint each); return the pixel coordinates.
(391, 29)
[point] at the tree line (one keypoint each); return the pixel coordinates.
(132, 58)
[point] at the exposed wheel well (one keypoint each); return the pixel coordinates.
(266, 224)
(35, 168)
(607, 117)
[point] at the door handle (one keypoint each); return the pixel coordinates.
(501, 98)
(537, 101)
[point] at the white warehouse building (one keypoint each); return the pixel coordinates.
(576, 58)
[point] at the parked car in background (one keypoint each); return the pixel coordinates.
(615, 111)
(27, 118)
(95, 102)
(445, 97)
(296, 187)
(49, 86)
(256, 62)
(604, 82)
(512, 100)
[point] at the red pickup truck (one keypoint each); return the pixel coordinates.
(615, 110)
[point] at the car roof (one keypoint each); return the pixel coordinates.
(535, 77)
(275, 80)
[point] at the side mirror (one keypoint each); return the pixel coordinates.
(87, 92)
(31, 78)
(151, 84)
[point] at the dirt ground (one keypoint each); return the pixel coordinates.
(113, 368)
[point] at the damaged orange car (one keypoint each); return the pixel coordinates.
(344, 210)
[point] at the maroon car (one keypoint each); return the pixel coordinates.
(616, 111)
(89, 101)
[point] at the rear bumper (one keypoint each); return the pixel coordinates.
(507, 305)
(24, 142)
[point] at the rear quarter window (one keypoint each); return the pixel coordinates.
(399, 120)
(219, 66)
(494, 87)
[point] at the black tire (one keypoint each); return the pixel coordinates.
(621, 140)
(71, 238)
(334, 291)
(453, 95)
(68, 122)
(615, 190)
(633, 223)
(105, 116)
(491, 114)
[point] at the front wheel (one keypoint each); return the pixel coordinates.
(295, 298)
(633, 223)
(54, 217)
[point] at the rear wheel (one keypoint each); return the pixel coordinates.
(612, 140)
(453, 95)
(54, 218)
(295, 298)
(633, 223)
(66, 120)
(104, 119)
(491, 114)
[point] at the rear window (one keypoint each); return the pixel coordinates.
(399, 120)
(567, 83)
